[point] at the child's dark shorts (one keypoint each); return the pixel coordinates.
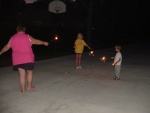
(26, 66)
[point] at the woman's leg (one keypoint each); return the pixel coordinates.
(22, 74)
(30, 79)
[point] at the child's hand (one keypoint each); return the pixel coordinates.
(113, 63)
(112, 57)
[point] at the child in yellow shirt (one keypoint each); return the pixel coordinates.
(79, 47)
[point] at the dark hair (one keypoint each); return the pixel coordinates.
(118, 47)
(20, 28)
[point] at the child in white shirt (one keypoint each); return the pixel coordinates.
(117, 62)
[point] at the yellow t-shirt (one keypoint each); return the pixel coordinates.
(79, 45)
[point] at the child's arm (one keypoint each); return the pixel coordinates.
(87, 46)
(112, 57)
(117, 61)
(5, 48)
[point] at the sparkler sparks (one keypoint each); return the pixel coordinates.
(55, 38)
(103, 59)
(91, 53)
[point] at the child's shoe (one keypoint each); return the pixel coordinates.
(77, 67)
(117, 78)
(80, 67)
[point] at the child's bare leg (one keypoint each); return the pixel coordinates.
(77, 59)
(80, 55)
(22, 74)
(29, 79)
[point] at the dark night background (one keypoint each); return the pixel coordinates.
(103, 23)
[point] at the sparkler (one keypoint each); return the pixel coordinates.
(113, 62)
(55, 38)
(103, 59)
(91, 53)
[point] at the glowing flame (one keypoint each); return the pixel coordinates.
(56, 38)
(91, 53)
(103, 59)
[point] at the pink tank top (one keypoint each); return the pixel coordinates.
(21, 49)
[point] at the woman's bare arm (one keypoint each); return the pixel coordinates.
(5, 48)
(38, 42)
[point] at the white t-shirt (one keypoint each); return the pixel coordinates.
(118, 55)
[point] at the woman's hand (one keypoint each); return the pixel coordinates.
(46, 43)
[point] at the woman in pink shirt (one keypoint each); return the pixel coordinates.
(22, 55)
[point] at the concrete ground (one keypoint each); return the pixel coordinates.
(60, 88)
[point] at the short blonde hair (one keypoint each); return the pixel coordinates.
(80, 34)
(20, 28)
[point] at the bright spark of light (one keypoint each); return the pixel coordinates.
(91, 53)
(103, 59)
